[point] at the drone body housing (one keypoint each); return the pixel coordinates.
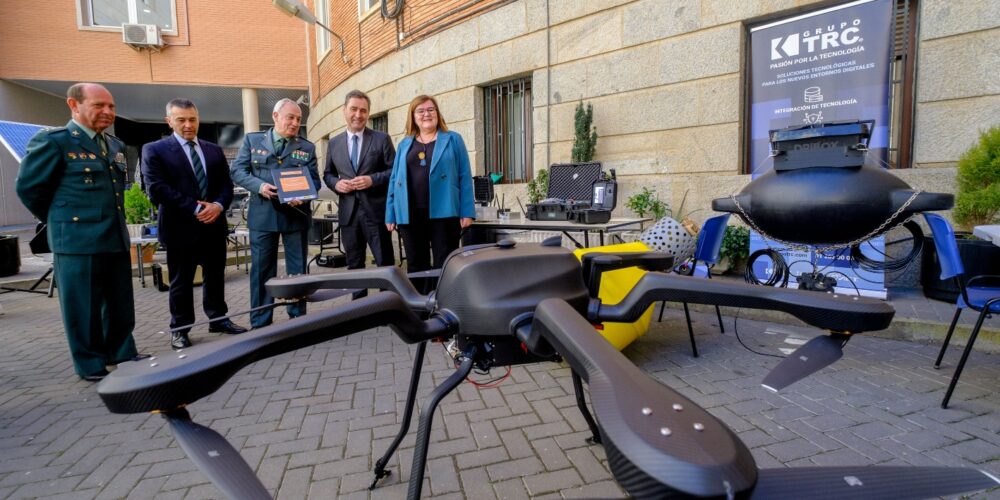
(489, 287)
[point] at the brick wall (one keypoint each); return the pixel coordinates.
(219, 42)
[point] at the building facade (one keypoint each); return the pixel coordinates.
(667, 80)
(233, 58)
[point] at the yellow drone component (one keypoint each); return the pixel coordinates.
(614, 286)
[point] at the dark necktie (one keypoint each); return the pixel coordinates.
(101, 143)
(279, 147)
(199, 170)
(354, 152)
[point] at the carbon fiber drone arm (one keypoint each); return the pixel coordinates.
(390, 278)
(179, 378)
(657, 441)
(840, 313)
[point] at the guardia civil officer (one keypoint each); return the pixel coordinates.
(73, 178)
(268, 219)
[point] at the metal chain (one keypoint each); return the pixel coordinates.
(836, 246)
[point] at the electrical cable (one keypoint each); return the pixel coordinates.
(780, 274)
(736, 331)
(396, 10)
(869, 264)
(490, 383)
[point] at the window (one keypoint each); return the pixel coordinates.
(901, 93)
(366, 7)
(507, 126)
(111, 14)
(322, 35)
(380, 122)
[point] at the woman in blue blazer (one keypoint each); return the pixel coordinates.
(430, 196)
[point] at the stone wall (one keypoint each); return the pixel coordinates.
(666, 79)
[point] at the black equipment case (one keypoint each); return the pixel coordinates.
(603, 201)
(570, 188)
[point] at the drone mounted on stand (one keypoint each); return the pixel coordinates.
(658, 442)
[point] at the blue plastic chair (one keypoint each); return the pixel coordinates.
(706, 254)
(975, 296)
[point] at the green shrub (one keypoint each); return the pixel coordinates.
(735, 243)
(647, 202)
(978, 178)
(137, 205)
(585, 139)
(538, 188)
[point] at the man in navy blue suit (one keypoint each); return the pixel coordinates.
(189, 179)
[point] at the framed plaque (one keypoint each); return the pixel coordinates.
(294, 184)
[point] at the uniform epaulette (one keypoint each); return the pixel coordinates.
(54, 130)
(109, 136)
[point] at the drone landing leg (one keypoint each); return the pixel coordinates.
(427, 416)
(411, 397)
(687, 316)
(582, 405)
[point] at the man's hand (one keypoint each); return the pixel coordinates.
(465, 222)
(344, 186)
(268, 190)
(209, 212)
(390, 226)
(295, 203)
(361, 182)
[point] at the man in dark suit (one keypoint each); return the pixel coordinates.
(189, 179)
(358, 165)
(261, 154)
(73, 178)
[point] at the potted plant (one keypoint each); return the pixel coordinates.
(137, 215)
(647, 202)
(667, 235)
(538, 188)
(977, 202)
(734, 251)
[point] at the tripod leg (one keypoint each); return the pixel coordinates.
(411, 397)
(426, 417)
(582, 405)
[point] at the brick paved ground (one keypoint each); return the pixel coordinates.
(312, 422)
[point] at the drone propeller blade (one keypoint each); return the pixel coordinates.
(215, 457)
(812, 357)
(876, 482)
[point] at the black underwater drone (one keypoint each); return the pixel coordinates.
(659, 444)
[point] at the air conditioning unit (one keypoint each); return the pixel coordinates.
(141, 35)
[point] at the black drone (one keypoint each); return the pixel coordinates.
(659, 444)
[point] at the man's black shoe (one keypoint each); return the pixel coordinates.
(179, 340)
(95, 377)
(226, 326)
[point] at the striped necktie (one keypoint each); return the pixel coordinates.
(199, 170)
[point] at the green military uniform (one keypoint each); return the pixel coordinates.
(76, 184)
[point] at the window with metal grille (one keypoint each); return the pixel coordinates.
(379, 122)
(507, 127)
